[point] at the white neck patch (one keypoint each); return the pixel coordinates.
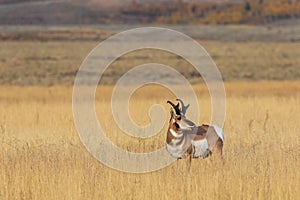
(174, 133)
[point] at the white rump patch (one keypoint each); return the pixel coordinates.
(219, 132)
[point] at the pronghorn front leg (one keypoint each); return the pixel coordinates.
(189, 157)
(189, 162)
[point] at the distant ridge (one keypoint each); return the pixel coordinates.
(56, 12)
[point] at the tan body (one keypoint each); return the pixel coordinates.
(185, 143)
(184, 138)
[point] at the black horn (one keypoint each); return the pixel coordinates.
(183, 107)
(176, 107)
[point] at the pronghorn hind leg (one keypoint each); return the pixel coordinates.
(219, 147)
(219, 150)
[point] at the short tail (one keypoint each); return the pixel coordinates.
(219, 132)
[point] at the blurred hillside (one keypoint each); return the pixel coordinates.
(153, 11)
(227, 12)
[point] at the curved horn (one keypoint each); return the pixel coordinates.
(183, 107)
(176, 107)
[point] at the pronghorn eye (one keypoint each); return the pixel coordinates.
(179, 118)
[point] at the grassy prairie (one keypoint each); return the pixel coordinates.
(42, 157)
(56, 62)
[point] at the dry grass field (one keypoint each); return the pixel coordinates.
(42, 157)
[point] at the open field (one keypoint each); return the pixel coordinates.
(51, 55)
(56, 62)
(42, 157)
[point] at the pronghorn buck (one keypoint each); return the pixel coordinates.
(184, 138)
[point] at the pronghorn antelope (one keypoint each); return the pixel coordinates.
(184, 138)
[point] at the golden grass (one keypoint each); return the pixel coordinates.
(42, 157)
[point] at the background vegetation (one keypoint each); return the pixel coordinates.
(213, 12)
(52, 56)
(151, 11)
